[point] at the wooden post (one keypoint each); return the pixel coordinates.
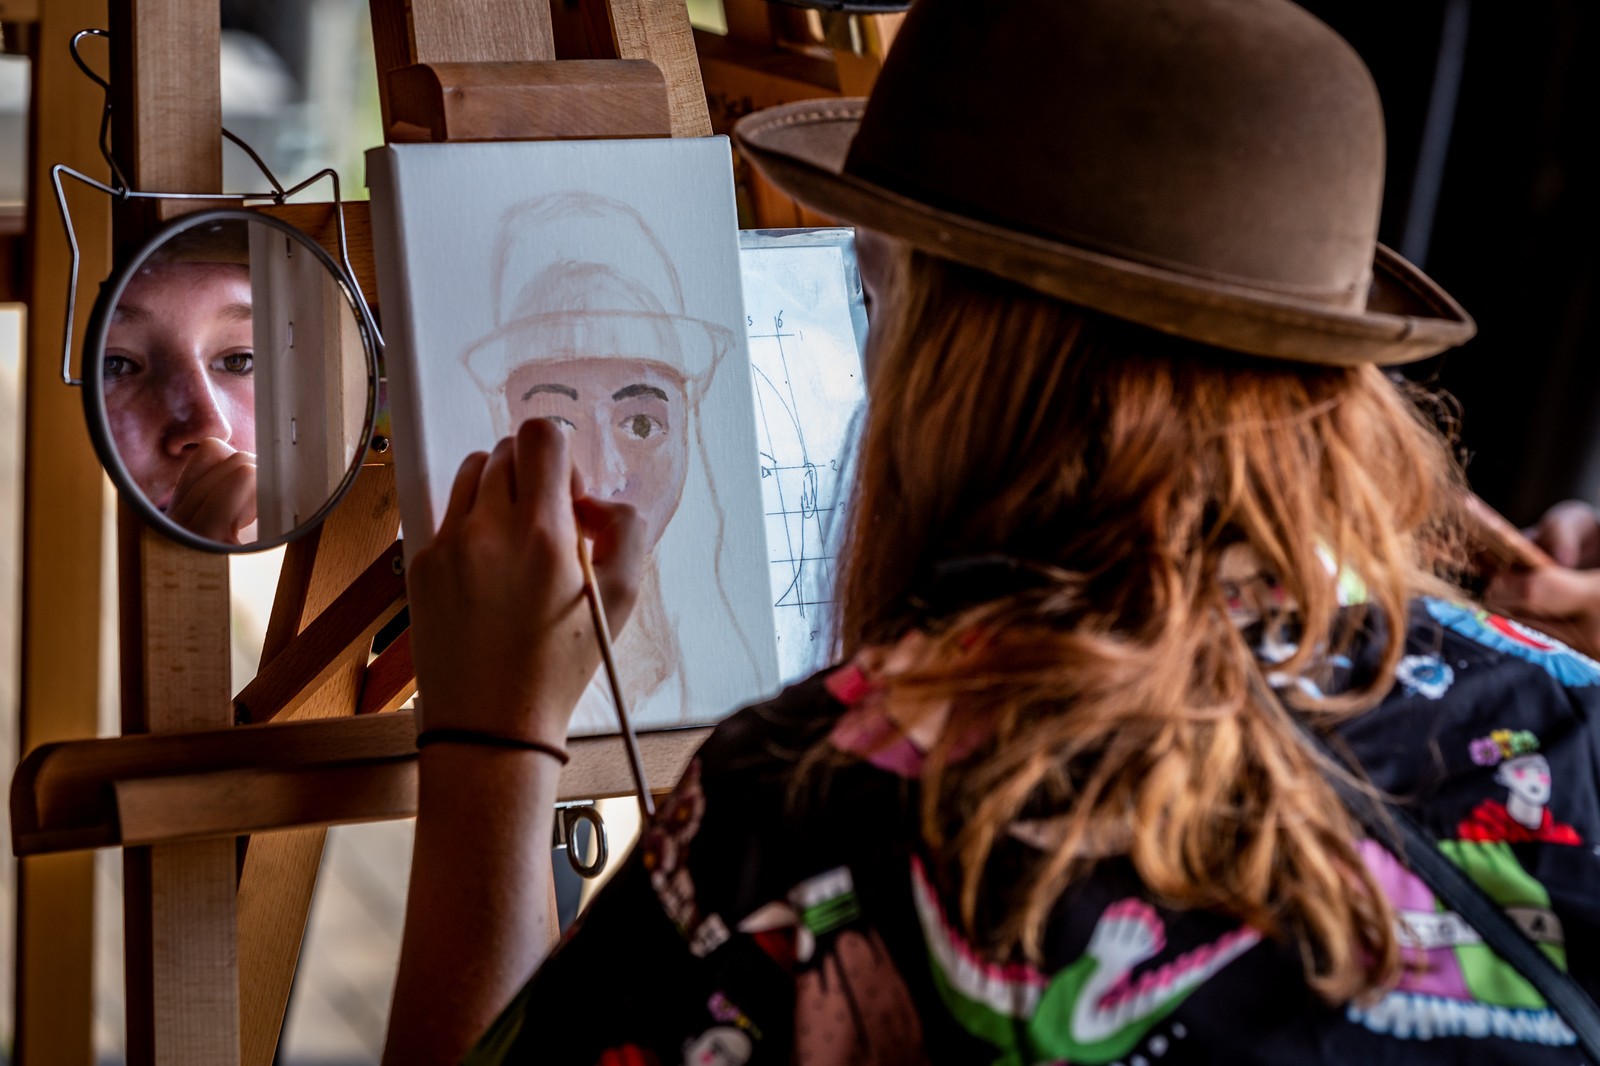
(280, 869)
(182, 979)
(62, 519)
(660, 32)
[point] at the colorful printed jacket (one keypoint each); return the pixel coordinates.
(744, 930)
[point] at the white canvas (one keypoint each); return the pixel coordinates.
(596, 283)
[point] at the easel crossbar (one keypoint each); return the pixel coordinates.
(165, 788)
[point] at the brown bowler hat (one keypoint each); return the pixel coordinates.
(1208, 168)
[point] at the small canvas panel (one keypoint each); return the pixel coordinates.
(595, 283)
(806, 322)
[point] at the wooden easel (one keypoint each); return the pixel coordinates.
(212, 941)
(776, 55)
(215, 905)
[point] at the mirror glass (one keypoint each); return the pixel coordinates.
(230, 381)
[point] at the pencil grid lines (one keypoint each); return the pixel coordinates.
(800, 488)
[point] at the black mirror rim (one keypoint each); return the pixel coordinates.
(93, 370)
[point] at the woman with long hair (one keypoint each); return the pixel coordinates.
(1147, 571)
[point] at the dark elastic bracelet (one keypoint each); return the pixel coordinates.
(489, 740)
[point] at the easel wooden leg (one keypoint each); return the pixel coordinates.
(62, 516)
(280, 869)
(55, 959)
(182, 977)
(183, 1003)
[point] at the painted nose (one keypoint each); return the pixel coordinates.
(604, 470)
(193, 413)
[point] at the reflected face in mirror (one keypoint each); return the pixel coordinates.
(179, 374)
(627, 419)
(230, 381)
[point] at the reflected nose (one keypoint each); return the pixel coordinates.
(193, 412)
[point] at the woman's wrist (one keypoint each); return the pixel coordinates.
(537, 723)
(491, 739)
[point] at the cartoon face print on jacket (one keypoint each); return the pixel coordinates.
(627, 422)
(1528, 779)
(1525, 774)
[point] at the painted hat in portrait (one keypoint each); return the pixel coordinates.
(579, 275)
(1209, 168)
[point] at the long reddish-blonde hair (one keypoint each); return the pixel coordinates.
(1122, 463)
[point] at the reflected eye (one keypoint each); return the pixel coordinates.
(118, 366)
(238, 362)
(642, 427)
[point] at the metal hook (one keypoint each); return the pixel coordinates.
(72, 271)
(122, 189)
(121, 180)
(567, 818)
(277, 189)
(72, 242)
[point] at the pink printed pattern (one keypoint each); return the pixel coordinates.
(1012, 989)
(1181, 972)
(1427, 971)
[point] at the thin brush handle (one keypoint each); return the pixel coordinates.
(602, 632)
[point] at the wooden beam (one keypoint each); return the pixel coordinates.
(68, 796)
(178, 919)
(527, 101)
(344, 576)
(660, 32)
(460, 31)
(749, 21)
(391, 678)
(13, 253)
(339, 636)
(317, 221)
(63, 515)
(62, 794)
(741, 78)
(23, 10)
(202, 806)
(182, 985)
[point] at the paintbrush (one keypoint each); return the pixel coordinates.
(602, 632)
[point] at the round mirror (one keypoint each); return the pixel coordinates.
(230, 381)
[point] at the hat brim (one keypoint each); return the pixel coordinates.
(699, 345)
(801, 148)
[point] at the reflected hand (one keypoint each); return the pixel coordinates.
(1564, 603)
(501, 632)
(215, 496)
(1570, 532)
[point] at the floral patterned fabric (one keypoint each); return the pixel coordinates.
(760, 922)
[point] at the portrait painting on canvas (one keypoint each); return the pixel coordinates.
(595, 284)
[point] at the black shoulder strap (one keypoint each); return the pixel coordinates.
(1386, 821)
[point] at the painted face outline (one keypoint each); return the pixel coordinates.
(629, 424)
(1528, 778)
(178, 369)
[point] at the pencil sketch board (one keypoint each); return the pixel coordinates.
(807, 326)
(595, 283)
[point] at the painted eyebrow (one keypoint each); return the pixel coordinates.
(566, 390)
(628, 391)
